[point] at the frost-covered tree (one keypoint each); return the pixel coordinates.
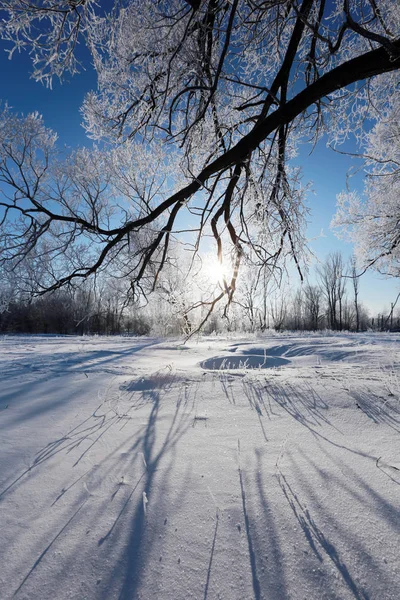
(199, 108)
(355, 283)
(333, 285)
(372, 220)
(313, 306)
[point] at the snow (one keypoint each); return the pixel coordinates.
(225, 468)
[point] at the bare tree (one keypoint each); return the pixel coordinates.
(278, 309)
(332, 282)
(312, 306)
(256, 286)
(211, 99)
(356, 285)
(297, 320)
(389, 320)
(247, 296)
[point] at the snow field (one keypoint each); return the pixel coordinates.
(146, 469)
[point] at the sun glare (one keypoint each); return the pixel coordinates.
(215, 272)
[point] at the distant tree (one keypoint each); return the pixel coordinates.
(176, 289)
(355, 281)
(390, 321)
(348, 315)
(313, 306)
(248, 296)
(265, 287)
(333, 284)
(253, 291)
(205, 103)
(278, 310)
(294, 309)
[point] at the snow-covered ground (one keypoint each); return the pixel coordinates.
(266, 468)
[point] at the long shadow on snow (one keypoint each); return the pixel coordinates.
(54, 539)
(304, 405)
(80, 361)
(355, 489)
(301, 402)
(378, 410)
(268, 553)
(38, 403)
(90, 430)
(210, 562)
(96, 425)
(61, 365)
(318, 542)
(265, 549)
(334, 562)
(129, 565)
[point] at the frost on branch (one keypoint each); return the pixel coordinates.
(49, 30)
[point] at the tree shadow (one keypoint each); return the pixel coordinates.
(211, 556)
(354, 489)
(316, 539)
(300, 401)
(113, 412)
(150, 456)
(51, 361)
(252, 554)
(129, 566)
(376, 409)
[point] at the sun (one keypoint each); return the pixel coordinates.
(215, 271)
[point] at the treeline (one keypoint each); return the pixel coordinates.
(102, 307)
(308, 310)
(333, 303)
(94, 312)
(76, 313)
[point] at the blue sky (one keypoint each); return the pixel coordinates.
(59, 106)
(324, 167)
(328, 171)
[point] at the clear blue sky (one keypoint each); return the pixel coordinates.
(59, 106)
(327, 169)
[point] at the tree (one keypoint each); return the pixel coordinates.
(257, 284)
(333, 285)
(355, 280)
(372, 221)
(312, 306)
(279, 309)
(247, 296)
(200, 107)
(296, 316)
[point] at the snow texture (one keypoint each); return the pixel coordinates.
(266, 468)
